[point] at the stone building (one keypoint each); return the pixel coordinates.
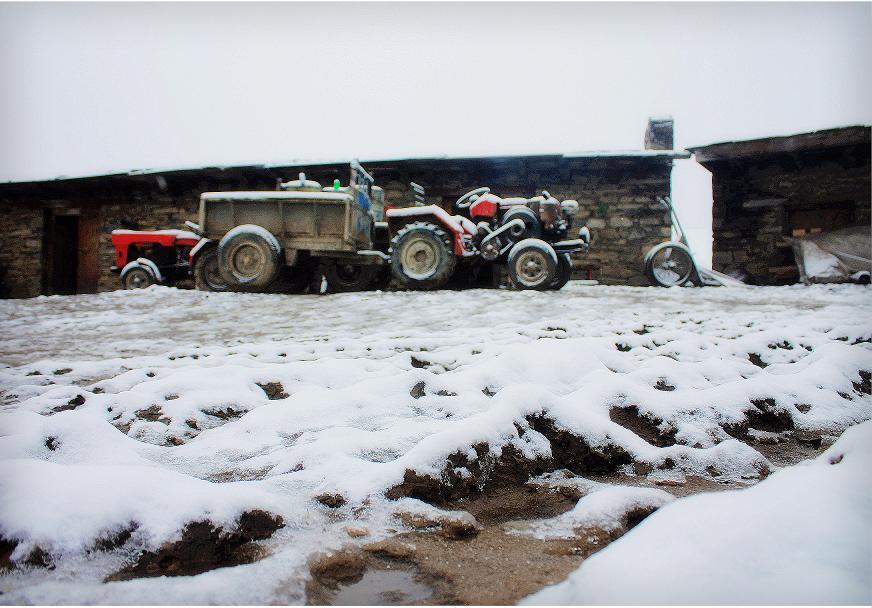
(767, 190)
(56, 236)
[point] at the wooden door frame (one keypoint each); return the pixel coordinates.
(88, 248)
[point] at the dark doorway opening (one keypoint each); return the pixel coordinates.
(63, 255)
(71, 251)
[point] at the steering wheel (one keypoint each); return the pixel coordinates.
(467, 199)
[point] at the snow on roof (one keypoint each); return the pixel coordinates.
(344, 161)
(630, 154)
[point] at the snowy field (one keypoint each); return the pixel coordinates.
(128, 418)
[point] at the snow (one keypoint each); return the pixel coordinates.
(457, 223)
(179, 234)
(603, 507)
(275, 195)
(311, 162)
(803, 536)
(159, 365)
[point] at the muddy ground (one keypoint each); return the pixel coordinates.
(495, 565)
(259, 391)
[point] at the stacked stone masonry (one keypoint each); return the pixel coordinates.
(20, 251)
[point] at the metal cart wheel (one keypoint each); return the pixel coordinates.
(669, 264)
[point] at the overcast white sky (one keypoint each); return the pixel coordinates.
(91, 88)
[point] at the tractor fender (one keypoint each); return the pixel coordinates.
(196, 249)
(140, 262)
(456, 225)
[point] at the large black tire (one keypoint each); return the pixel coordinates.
(669, 265)
(342, 277)
(207, 275)
(422, 256)
(249, 258)
(532, 225)
(564, 271)
(138, 276)
(532, 264)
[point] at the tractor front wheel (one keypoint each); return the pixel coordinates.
(138, 276)
(422, 256)
(532, 264)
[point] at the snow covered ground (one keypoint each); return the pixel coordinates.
(138, 413)
(801, 537)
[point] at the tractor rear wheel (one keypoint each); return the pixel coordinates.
(422, 256)
(207, 275)
(532, 264)
(249, 258)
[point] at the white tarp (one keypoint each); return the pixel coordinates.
(834, 257)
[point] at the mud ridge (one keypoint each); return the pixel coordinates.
(465, 477)
(763, 415)
(204, 547)
(646, 427)
(273, 390)
(37, 558)
(864, 387)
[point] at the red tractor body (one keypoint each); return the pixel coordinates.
(146, 257)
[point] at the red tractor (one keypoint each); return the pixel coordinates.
(145, 258)
(528, 236)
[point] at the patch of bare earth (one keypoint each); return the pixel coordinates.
(204, 546)
(448, 560)
(475, 558)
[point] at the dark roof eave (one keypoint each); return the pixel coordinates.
(814, 140)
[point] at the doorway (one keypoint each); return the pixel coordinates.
(70, 251)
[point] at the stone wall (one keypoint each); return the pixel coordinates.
(617, 198)
(755, 200)
(20, 251)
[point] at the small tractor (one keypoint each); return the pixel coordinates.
(528, 236)
(145, 258)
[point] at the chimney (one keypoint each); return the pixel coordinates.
(658, 136)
